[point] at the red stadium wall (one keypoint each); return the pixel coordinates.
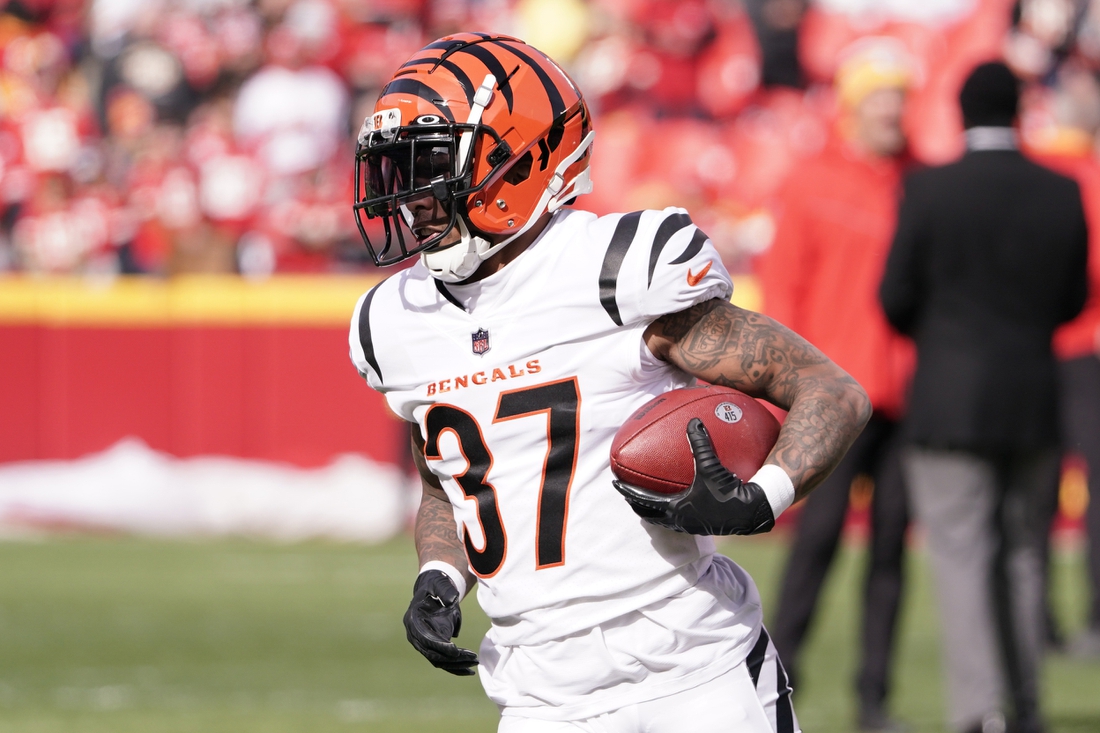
(217, 365)
(190, 366)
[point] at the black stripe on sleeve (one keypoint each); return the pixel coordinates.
(668, 227)
(492, 63)
(624, 233)
(365, 339)
(693, 248)
(420, 89)
(755, 660)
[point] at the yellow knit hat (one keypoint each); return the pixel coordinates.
(871, 64)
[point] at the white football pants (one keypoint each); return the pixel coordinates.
(753, 697)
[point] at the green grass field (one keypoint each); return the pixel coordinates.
(118, 635)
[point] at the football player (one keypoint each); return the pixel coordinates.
(515, 347)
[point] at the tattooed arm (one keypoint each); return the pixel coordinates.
(436, 537)
(726, 345)
(435, 616)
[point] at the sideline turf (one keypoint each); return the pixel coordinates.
(119, 635)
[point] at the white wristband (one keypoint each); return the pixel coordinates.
(450, 571)
(777, 487)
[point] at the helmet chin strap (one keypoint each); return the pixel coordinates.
(460, 260)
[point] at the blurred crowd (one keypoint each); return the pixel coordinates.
(170, 136)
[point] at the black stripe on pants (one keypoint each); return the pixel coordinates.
(784, 710)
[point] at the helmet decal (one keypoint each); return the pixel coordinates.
(386, 121)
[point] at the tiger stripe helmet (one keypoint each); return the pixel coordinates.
(489, 126)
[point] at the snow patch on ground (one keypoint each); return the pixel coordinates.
(132, 488)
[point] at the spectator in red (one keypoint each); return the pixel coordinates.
(292, 113)
(835, 219)
(291, 117)
(1069, 148)
(653, 59)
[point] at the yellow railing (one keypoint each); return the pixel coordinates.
(302, 300)
(198, 299)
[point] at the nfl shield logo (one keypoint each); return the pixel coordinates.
(480, 340)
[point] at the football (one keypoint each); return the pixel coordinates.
(651, 449)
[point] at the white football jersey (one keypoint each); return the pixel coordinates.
(518, 384)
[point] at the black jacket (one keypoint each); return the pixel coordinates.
(988, 258)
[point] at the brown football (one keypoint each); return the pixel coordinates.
(651, 449)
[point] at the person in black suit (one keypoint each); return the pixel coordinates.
(989, 256)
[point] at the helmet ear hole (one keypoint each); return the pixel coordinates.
(520, 171)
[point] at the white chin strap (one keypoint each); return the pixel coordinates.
(460, 260)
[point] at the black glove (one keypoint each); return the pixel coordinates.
(716, 503)
(433, 618)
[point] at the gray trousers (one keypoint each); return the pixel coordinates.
(984, 537)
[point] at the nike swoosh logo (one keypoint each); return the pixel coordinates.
(693, 280)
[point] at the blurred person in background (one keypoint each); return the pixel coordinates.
(147, 67)
(47, 150)
(59, 232)
(1043, 34)
(835, 218)
(292, 112)
(160, 68)
(229, 188)
(163, 197)
(671, 37)
(291, 117)
(1068, 145)
(989, 257)
(776, 24)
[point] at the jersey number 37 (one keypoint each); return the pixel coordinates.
(558, 402)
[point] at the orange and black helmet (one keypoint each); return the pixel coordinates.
(489, 126)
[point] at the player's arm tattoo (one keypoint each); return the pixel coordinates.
(435, 533)
(726, 345)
